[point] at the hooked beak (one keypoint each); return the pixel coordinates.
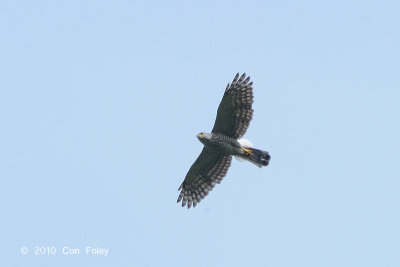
(200, 135)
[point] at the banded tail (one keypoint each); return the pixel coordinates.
(258, 157)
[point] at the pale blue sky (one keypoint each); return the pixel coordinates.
(100, 103)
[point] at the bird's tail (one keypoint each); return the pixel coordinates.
(256, 156)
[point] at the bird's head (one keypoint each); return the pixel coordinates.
(203, 137)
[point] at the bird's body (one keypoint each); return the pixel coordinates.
(233, 117)
(220, 143)
(241, 149)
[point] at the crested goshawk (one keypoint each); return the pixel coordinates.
(233, 117)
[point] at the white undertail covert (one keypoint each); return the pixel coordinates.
(246, 144)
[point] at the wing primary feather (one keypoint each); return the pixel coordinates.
(189, 202)
(184, 199)
(242, 78)
(179, 198)
(235, 79)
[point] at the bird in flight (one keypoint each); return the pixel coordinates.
(233, 118)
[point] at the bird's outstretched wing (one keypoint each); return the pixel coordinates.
(208, 170)
(235, 112)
